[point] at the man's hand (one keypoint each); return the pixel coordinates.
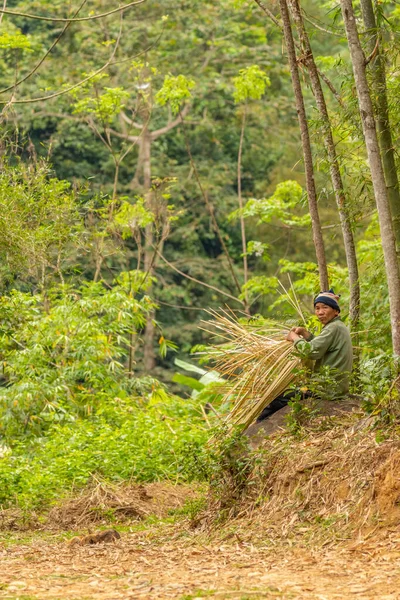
(302, 332)
(292, 336)
(297, 333)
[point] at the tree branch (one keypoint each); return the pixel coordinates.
(276, 22)
(203, 283)
(2, 11)
(5, 11)
(125, 136)
(41, 61)
(154, 135)
(374, 51)
(125, 117)
(306, 18)
(209, 206)
(88, 78)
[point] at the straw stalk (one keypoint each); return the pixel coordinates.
(258, 363)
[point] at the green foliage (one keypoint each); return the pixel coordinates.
(63, 351)
(207, 389)
(250, 84)
(259, 285)
(231, 463)
(287, 196)
(259, 249)
(14, 41)
(191, 382)
(104, 106)
(299, 415)
(131, 217)
(175, 91)
(377, 384)
(165, 345)
(127, 439)
(39, 220)
(210, 42)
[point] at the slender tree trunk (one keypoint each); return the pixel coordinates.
(375, 164)
(322, 75)
(240, 199)
(378, 80)
(306, 145)
(131, 357)
(336, 176)
(100, 258)
(149, 360)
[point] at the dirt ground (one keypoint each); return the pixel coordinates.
(329, 528)
(161, 562)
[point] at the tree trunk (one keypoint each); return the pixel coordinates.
(375, 164)
(240, 199)
(336, 176)
(324, 78)
(306, 146)
(378, 80)
(149, 359)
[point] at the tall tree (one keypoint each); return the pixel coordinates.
(375, 164)
(306, 146)
(336, 177)
(378, 81)
(142, 182)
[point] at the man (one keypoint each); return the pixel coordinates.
(331, 348)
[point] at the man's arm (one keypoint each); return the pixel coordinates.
(316, 347)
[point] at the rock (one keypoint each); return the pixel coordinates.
(325, 408)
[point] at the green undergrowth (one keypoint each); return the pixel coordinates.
(125, 441)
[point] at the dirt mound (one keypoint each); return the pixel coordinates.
(335, 484)
(104, 503)
(101, 504)
(387, 488)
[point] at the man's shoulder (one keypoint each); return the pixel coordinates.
(336, 323)
(341, 329)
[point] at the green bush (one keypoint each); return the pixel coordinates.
(64, 352)
(125, 441)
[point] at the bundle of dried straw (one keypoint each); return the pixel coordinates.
(258, 362)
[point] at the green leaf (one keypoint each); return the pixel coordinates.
(191, 382)
(189, 367)
(15, 41)
(175, 91)
(250, 84)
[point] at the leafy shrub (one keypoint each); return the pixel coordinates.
(124, 441)
(64, 351)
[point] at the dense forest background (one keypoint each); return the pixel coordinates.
(152, 170)
(94, 136)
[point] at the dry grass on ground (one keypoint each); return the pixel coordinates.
(319, 519)
(171, 562)
(101, 504)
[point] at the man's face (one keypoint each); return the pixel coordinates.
(325, 313)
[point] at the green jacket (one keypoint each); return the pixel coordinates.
(331, 348)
